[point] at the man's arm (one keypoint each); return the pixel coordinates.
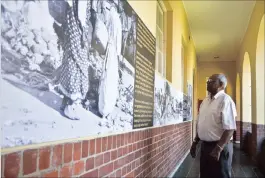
(229, 124)
(225, 138)
(197, 139)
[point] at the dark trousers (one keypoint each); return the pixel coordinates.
(210, 168)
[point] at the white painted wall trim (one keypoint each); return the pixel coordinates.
(177, 167)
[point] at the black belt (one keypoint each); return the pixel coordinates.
(210, 143)
(213, 142)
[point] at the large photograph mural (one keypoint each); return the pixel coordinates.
(171, 106)
(74, 68)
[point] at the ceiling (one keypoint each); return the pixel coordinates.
(218, 27)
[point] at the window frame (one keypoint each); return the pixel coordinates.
(160, 42)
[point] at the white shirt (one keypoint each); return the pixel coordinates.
(215, 116)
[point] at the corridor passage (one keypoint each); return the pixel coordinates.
(242, 166)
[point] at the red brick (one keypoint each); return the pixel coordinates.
(133, 137)
(131, 174)
(133, 165)
(66, 171)
(68, 152)
(125, 150)
(122, 139)
(57, 155)
(11, 164)
(134, 146)
(85, 149)
(129, 167)
(105, 170)
(123, 171)
(114, 142)
(120, 150)
(44, 158)
(104, 144)
(130, 148)
(92, 174)
(30, 161)
(109, 142)
(128, 136)
(77, 151)
(113, 154)
(92, 146)
(51, 174)
(99, 160)
(2, 165)
(118, 173)
(106, 157)
(90, 163)
(98, 145)
(79, 167)
(118, 141)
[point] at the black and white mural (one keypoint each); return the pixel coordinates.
(187, 104)
(169, 104)
(190, 101)
(67, 69)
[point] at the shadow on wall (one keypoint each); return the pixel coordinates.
(260, 157)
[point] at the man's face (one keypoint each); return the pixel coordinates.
(213, 84)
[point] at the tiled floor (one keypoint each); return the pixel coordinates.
(242, 166)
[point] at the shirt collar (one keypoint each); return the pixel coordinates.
(217, 94)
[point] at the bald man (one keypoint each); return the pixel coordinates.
(216, 124)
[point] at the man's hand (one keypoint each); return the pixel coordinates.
(193, 149)
(216, 153)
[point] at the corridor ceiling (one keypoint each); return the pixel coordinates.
(218, 27)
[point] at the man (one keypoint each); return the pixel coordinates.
(215, 127)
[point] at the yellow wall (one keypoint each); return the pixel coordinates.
(182, 37)
(249, 44)
(181, 32)
(246, 89)
(206, 69)
(260, 73)
(238, 96)
(147, 16)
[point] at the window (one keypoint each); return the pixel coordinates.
(160, 55)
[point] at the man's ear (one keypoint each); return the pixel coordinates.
(221, 84)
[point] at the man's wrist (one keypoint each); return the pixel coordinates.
(197, 139)
(219, 147)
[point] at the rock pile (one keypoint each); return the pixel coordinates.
(36, 46)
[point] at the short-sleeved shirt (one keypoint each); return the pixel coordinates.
(215, 116)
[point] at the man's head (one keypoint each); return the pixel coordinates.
(216, 83)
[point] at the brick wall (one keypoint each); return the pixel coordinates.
(154, 152)
(238, 131)
(245, 127)
(258, 134)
